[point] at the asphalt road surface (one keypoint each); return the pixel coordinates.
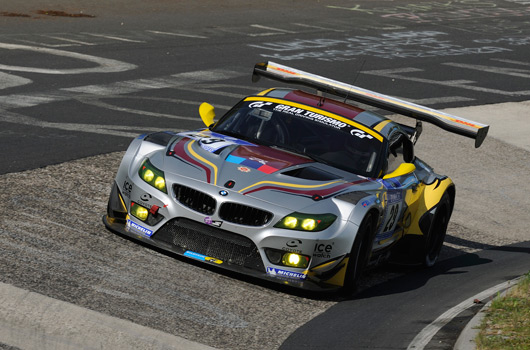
(74, 90)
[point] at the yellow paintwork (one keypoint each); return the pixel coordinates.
(190, 149)
(207, 113)
(286, 184)
(402, 169)
(420, 201)
(381, 125)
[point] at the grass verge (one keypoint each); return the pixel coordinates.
(507, 321)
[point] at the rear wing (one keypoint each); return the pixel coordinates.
(443, 120)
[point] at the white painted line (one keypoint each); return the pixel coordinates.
(425, 336)
(108, 106)
(43, 44)
(9, 80)
(514, 72)
(114, 38)
(105, 65)
(177, 34)
(318, 27)
(271, 28)
(34, 321)
(113, 130)
(68, 40)
(457, 84)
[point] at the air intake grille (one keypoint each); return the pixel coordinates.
(244, 215)
(211, 241)
(195, 200)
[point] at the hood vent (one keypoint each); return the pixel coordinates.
(311, 173)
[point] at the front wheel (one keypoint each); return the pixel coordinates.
(360, 253)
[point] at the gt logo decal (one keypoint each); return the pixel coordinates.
(360, 134)
(259, 104)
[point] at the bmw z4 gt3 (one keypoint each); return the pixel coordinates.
(290, 186)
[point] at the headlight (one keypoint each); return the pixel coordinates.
(139, 212)
(152, 176)
(280, 257)
(306, 222)
(149, 216)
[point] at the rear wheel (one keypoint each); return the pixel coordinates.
(360, 253)
(435, 239)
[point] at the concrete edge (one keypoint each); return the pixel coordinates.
(30, 320)
(466, 340)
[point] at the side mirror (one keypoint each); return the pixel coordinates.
(207, 113)
(402, 169)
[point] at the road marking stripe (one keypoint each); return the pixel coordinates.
(424, 337)
(114, 37)
(68, 40)
(271, 28)
(177, 34)
(104, 65)
(317, 27)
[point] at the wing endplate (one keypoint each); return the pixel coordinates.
(448, 122)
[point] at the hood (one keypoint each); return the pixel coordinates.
(262, 172)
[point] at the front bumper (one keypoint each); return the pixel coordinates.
(212, 246)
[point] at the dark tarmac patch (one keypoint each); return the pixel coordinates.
(62, 14)
(13, 14)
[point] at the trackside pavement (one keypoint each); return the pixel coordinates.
(30, 320)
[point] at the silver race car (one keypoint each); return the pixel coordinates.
(289, 186)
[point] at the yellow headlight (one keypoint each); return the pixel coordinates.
(139, 212)
(309, 224)
(149, 175)
(295, 260)
(160, 183)
(290, 222)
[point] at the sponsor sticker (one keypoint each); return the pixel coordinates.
(302, 113)
(201, 257)
(209, 221)
(284, 273)
(132, 226)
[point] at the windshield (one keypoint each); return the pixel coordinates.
(303, 131)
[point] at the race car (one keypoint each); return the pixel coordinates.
(289, 186)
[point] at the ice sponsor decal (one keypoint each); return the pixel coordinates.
(132, 226)
(284, 273)
(323, 250)
(201, 257)
(127, 187)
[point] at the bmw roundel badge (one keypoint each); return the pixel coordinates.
(223, 193)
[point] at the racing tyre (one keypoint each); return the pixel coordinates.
(435, 240)
(360, 253)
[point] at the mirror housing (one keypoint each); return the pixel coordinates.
(207, 113)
